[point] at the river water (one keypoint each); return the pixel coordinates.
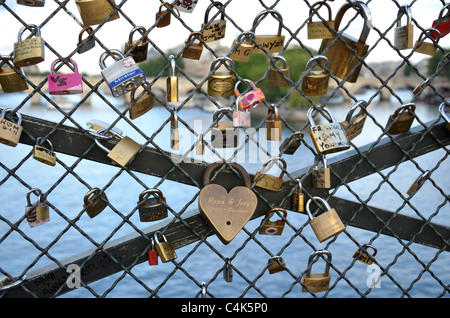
(201, 263)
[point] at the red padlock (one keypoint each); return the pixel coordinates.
(442, 24)
(152, 255)
(250, 99)
(64, 84)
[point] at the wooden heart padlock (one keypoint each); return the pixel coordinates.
(226, 212)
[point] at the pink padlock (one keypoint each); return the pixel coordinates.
(251, 98)
(64, 84)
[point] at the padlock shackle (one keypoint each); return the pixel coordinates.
(221, 111)
(317, 254)
(252, 85)
(311, 119)
(441, 13)
(264, 166)
(325, 203)
(363, 10)
(146, 85)
(209, 171)
(427, 33)
(262, 15)
(221, 58)
(246, 34)
(168, 6)
(146, 193)
(38, 139)
(300, 186)
(403, 108)
(141, 30)
(36, 192)
(365, 247)
(34, 29)
(6, 110)
(273, 111)
(195, 35)
(155, 236)
(58, 61)
(278, 58)
(100, 132)
(215, 4)
(321, 60)
(443, 113)
(174, 119)
(87, 29)
(319, 4)
(93, 192)
(113, 53)
(404, 9)
(172, 65)
(360, 103)
(273, 211)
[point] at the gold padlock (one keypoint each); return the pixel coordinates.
(327, 224)
(123, 151)
(172, 82)
(298, 198)
(269, 182)
(292, 143)
(165, 249)
(9, 131)
(215, 30)
(362, 255)
(193, 50)
(10, 80)
(418, 183)
(137, 49)
(43, 154)
(276, 264)
(268, 43)
(427, 48)
(94, 12)
(30, 51)
(221, 83)
(344, 63)
(320, 30)
(163, 18)
(273, 124)
(37, 213)
(321, 177)
(277, 75)
(269, 227)
(174, 132)
(318, 282)
(95, 201)
(315, 83)
(404, 35)
(353, 125)
(243, 47)
(200, 147)
(401, 120)
(444, 115)
(143, 104)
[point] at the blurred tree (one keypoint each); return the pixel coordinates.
(433, 62)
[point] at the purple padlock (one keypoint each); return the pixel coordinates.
(64, 84)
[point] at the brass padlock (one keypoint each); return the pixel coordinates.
(269, 227)
(327, 138)
(43, 154)
(95, 201)
(321, 177)
(444, 115)
(165, 249)
(318, 282)
(37, 213)
(162, 18)
(353, 125)
(152, 208)
(276, 264)
(224, 134)
(30, 51)
(401, 120)
(292, 143)
(418, 183)
(273, 124)
(404, 35)
(143, 104)
(319, 29)
(172, 82)
(137, 49)
(174, 132)
(193, 50)
(268, 43)
(123, 151)
(362, 255)
(215, 30)
(269, 182)
(86, 44)
(9, 131)
(221, 83)
(10, 80)
(94, 12)
(242, 47)
(200, 147)
(277, 75)
(315, 83)
(427, 48)
(344, 63)
(298, 198)
(327, 224)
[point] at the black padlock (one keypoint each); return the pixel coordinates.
(151, 206)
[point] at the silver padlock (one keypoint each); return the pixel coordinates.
(123, 75)
(241, 118)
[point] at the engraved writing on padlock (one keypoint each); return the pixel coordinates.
(152, 208)
(172, 82)
(243, 47)
(277, 75)
(401, 120)
(404, 35)
(315, 83)
(215, 30)
(427, 48)
(64, 84)
(10, 80)
(193, 50)
(123, 151)
(444, 115)
(37, 213)
(221, 83)
(273, 124)
(353, 125)
(224, 135)
(321, 177)
(43, 154)
(292, 143)
(241, 118)
(9, 131)
(143, 104)
(364, 256)
(269, 182)
(94, 12)
(95, 201)
(186, 5)
(320, 29)
(317, 282)
(137, 49)
(276, 264)
(165, 249)
(327, 224)
(249, 99)
(298, 198)
(30, 51)
(268, 43)
(269, 227)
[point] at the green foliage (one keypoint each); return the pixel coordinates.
(433, 63)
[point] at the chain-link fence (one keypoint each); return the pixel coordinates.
(115, 152)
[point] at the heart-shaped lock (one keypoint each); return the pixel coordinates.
(226, 212)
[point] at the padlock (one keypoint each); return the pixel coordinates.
(321, 177)
(193, 50)
(86, 44)
(442, 24)
(401, 120)
(427, 48)
(277, 75)
(221, 83)
(298, 198)
(273, 124)
(137, 49)
(96, 125)
(320, 29)
(32, 3)
(404, 35)
(223, 134)
(94, 12)
(9, 131)
(37, 213)
(187, 6)
(64, 84)
(123, 151)
(215, 30)
(152, 205)
(276, 264)
(269, 182)
(143, 104)
(174, 132)
(344, 63)
(269, 227)
(172, 82)
(228, 271)
(10, 80)
(418, 183)
(95, 201)
(121, 76)
(241, 118)
(444, 115)
(290, 145)
(165, 249)
(30, 51)
(268, 43)
(43, 154)
(362, 255)
(327, 224)
(317, 282)
(315, 83)
(353, 125)
(249, 99)
(152, 254)
(327, 138)
(243, 47)
(163, 18)
(200, 147)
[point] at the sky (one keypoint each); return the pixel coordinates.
(62, 31)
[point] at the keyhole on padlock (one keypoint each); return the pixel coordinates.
(129, 86)
(228, 223)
